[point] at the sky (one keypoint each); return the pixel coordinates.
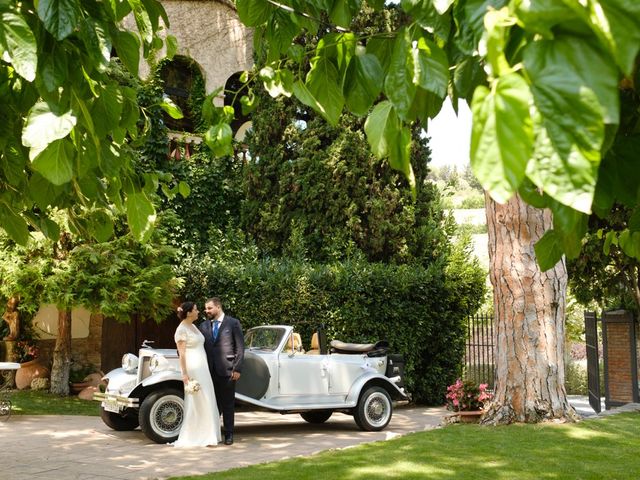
(450, 136)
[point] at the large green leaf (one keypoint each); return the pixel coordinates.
(343, 11)
(277, 82)
(389, 138)
(377, 124)
(382, 48)
(169, 106)
(617, 25)
(60, 17)
(107, 110)
(362, 83)
(340, 48)
(399, 85)
(430, 15)
(322, 91)
(431, 67)
(574, 103)
(280, 32)
(55, 163)
(19, 44)
(219, 139)
(541, 16)
(128, 49)
(254, 12)
(469, 15)
(141, 215)
(44, 126)
(501, 136)
(630, 243)
(54, 69)
(442, 6)
(156, 12)
(619, 175)
(563, 68)
(100, 226)
(548, 250)
(13, 224)
(143, 20)
(97, 43)
(571, 226)
(43, 192)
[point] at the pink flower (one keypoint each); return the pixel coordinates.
(464, 396)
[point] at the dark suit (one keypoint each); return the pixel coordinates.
(225, 356)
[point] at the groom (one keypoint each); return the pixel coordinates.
(224, 344)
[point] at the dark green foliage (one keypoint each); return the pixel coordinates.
(322, 183)
(419, 310)
(603, 273)
(212, 206)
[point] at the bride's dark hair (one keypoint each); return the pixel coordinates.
(185, 308)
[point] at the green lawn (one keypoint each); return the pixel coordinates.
(30, 402)
(606, 448)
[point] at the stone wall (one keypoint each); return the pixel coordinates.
(209, 32)
(84, 351)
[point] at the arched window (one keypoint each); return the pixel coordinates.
(233, 90)
(180, 76)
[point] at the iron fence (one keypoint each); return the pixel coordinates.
(479, 365)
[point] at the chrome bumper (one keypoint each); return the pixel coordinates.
(115, 403)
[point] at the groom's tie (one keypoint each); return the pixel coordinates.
(215, 330)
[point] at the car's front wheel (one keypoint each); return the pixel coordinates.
(316, 416)
(374, 409)
(161, 415)
(121, 422)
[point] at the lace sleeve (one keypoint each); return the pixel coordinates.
(181, 334)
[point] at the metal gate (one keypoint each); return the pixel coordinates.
(478, 362)
(593, 365)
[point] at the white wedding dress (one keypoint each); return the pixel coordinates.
(201, 423)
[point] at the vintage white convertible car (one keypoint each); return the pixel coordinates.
(278, 374)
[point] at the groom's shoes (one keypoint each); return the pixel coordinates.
(228, 438)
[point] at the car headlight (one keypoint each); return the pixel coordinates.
(158, 363)
(129, 362)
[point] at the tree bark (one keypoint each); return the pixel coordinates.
(529, 316)
(62, 355)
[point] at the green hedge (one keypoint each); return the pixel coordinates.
(419, 311)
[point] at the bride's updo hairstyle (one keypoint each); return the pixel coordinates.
(185, 308)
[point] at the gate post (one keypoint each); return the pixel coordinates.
(620, 358)
(593, 361)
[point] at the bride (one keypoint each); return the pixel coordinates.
(201, 423)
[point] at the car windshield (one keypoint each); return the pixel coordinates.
(263, 338)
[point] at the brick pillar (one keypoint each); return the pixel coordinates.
(620, 360)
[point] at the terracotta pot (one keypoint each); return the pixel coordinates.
(472, 416)
(28, 371)
(77, 387)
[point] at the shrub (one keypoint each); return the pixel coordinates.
(575, 381)
(420, 311)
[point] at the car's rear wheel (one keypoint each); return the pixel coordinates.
(374, 409)
(316, 416)
(161, 415)
(121, 422)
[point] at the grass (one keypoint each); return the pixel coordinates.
(605, 448)
(40, 402)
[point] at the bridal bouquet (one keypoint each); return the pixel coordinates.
(192, 386)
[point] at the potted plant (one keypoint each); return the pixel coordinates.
(26, 352)
(467, 399)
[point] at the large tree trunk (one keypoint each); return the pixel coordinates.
(529, 310)
(62, 355)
